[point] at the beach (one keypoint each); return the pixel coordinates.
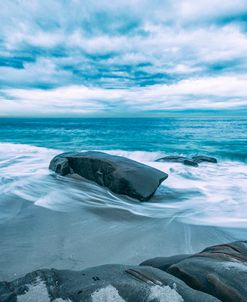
(51, 221)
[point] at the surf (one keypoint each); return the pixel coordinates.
(206, 195)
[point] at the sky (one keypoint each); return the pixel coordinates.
(122, 58)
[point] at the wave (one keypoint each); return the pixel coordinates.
(212, 194)
(231, 156)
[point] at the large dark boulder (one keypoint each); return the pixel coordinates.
(219, 270)
(121, 175)
(107, 283)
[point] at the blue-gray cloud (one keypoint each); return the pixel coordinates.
(147, 55)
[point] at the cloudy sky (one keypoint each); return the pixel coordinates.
(122, 57)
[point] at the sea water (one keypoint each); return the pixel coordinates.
(52, 221)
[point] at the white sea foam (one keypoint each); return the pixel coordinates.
(159, 293)
(107, 294)
(164, 294)
(212, 194)
(141, 156)
(37, 292)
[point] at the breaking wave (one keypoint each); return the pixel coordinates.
(212, 194)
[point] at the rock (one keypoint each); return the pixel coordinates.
(219, 270)
(194, 161)
(107, 283)
(121, 175)
(163, 263)
(178, 159)
(200, 158)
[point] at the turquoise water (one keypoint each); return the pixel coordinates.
(211, 194)
(224, 138)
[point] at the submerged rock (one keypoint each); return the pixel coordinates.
(178, 159)
(220, 270)
(107, 283)
(121, 175)
(200, 158)
(194, 161)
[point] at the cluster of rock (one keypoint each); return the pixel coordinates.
(119, 174)
(193, 161)
(218, 273)
(219, 270)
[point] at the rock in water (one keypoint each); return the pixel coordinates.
(121, 175)
(194, 161)
(107, 283)
(219, 270)
(200, 158)
(178, 159)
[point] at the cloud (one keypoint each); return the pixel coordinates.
(150, 56)
(203, 93)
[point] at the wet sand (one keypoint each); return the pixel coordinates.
(35, 237)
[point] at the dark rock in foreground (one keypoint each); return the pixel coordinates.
(121, 175)
(178, 159)
(218, 273)
(194, 161)
(219, 270)
(108, 283)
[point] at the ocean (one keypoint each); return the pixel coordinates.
(52, 221)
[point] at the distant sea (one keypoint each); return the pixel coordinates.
(53, 221)
(225, 138)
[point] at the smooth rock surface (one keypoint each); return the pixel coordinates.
(108, 283)
(219, 270)
(119, 174)
(164, 263)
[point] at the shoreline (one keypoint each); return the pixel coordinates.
(215, 274)
(38, 237)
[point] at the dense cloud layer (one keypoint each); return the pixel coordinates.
(128, 57)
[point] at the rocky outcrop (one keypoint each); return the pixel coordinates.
(219, 270)
(119, 174)
(194, 161)
(108, 283)
(218, 273)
